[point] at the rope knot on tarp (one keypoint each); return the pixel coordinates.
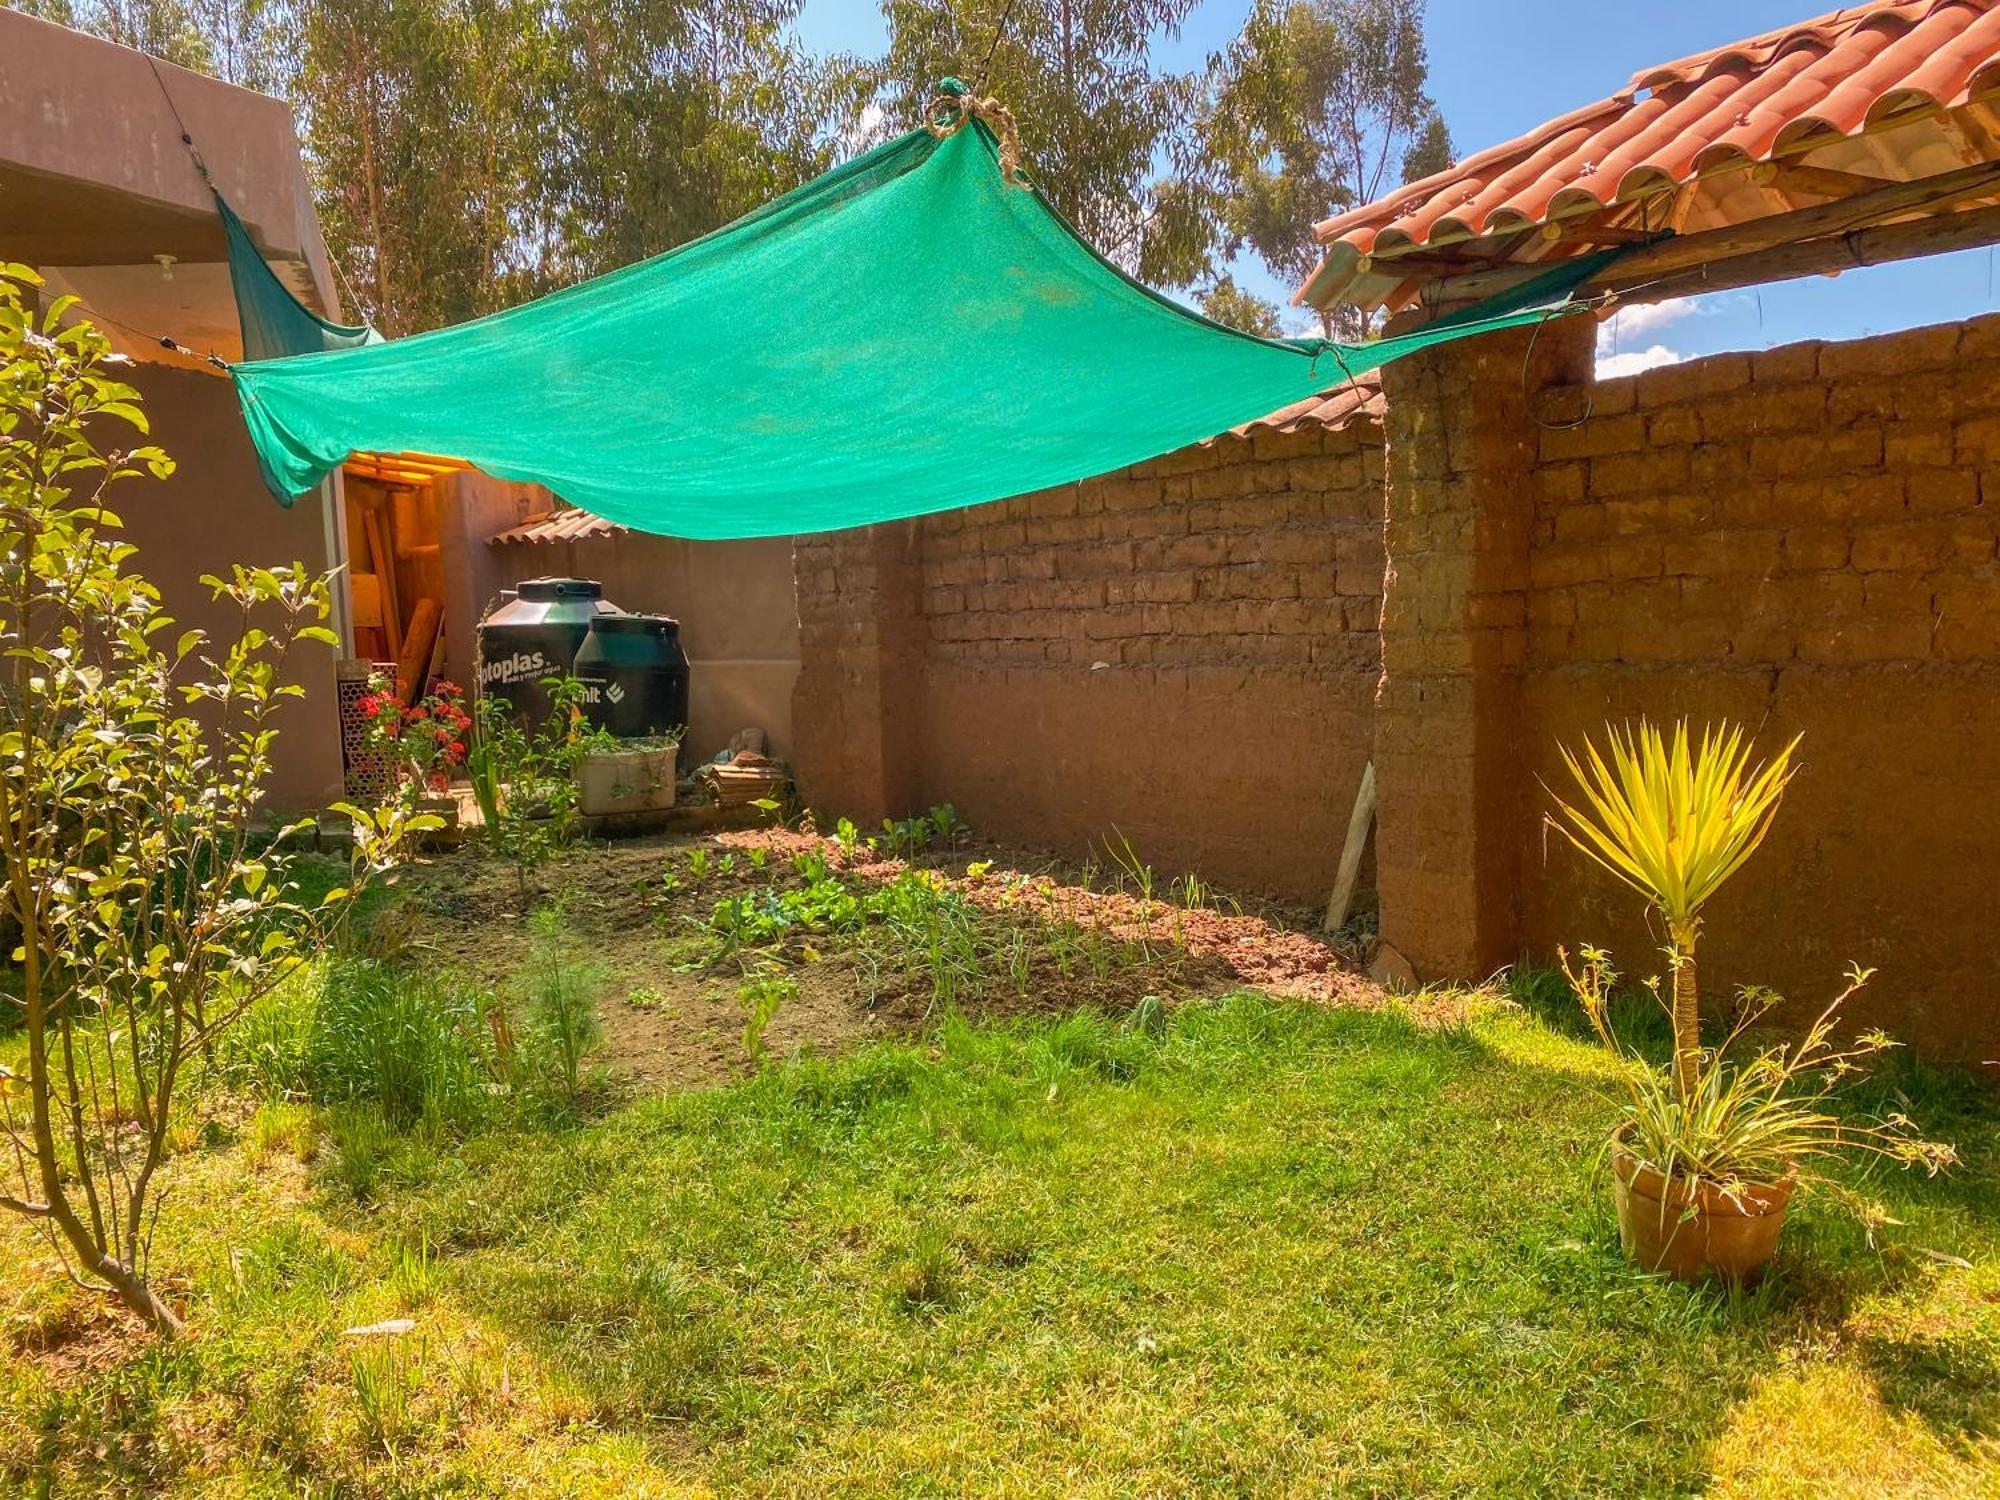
(956, 105)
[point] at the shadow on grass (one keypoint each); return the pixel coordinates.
(852, 1165)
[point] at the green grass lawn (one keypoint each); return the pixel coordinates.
(1280, 1249)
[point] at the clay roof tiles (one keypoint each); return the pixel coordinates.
(1844, 89)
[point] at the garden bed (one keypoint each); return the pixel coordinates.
(673, 1017)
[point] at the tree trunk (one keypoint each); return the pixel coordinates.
(138, 1296)
(1687, 1023)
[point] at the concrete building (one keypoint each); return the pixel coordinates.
(99, 194)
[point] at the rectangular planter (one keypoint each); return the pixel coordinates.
(626, 781)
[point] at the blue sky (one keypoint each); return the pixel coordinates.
(1500, 67)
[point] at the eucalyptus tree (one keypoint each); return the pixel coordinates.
(422, 127)
(1099, 120)
(664, 119)
(1317, 106)
(171, 30)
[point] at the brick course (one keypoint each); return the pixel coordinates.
(1186, 650)
(1807, 539)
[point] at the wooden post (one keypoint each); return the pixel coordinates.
(1358, 824)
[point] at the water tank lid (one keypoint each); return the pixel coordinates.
(542, 590)
(613, 622)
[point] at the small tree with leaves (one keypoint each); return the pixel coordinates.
(147, 907)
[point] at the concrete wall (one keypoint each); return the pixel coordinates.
(1184, 652)
(215, 512)
(735, 604)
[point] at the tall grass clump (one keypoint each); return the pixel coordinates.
(349, 1030)
(558, 989)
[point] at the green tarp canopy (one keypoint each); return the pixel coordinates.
(908, 333)
(274, 322)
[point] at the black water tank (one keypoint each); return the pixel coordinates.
(637, 675)
(536, 635)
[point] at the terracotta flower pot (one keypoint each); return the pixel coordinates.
(1693, 1233)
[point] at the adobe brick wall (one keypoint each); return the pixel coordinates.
(1460, 514)
(1185, 651)
(1805, 539)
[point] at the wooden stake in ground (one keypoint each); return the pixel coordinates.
(1359, 821)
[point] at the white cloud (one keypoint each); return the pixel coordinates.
(1627, 323)
(1611, 366)
(858, 135)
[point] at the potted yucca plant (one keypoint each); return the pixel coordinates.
(1708, 1150)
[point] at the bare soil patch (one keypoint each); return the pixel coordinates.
(671, 1022)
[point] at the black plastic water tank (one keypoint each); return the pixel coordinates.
(533, 636)
(636, 673)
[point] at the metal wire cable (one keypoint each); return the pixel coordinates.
(985, 63)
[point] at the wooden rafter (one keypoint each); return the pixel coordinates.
(1824, 182)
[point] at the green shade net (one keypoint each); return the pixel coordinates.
(908, 333)
(274, 322)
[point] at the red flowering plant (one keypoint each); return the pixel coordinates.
(426, 740)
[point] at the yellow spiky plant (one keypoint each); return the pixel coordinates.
(1673, 819)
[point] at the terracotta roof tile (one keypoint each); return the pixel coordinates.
(1862, 91)
(558, 526)
(1358, 401)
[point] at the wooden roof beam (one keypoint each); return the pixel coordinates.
(1937, 234)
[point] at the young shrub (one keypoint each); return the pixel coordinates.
(147, 910)
(1706, 1152)
(559, 991)
(1673, 821)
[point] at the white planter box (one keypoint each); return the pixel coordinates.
(624, 781)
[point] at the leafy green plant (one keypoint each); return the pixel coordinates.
(908, 837)
(524, 777)
(810, 865)
(847, 837)
(950, 829)
(1750, 1119)
(698, 861)
(146, 909)
(1673, 820)
(758, 856)
(762, 999)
